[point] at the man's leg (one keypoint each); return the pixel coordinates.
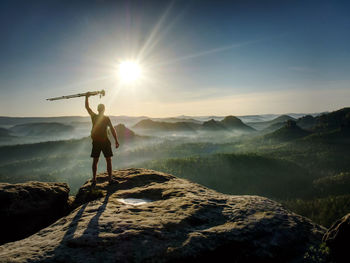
(94, 168)
(109, 167)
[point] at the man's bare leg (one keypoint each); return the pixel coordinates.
(94, 168)
(109, 167)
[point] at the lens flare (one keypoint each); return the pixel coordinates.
(129, 71)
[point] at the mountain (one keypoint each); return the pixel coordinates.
(229, 123)
(41, 129)
(333, 127)
(290, 131)
(273, 127)
(257, 118)
(265, 124)
(6, 137)
(12, 121)
(125, 135)
(307, 122)
(244, 118)
(5, 132)
(149, 124)
(334, 120)
(234, 123)
(213, 125)
(174, 119)
(124, 132)
(282, 118)
(149, 216)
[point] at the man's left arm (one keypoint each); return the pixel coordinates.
(114, 133)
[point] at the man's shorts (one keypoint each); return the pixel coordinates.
(104, 146)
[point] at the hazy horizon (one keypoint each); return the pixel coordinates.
(161, 117)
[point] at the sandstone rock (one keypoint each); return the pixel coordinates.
(337, 239)
(155, 217)
(26, 208)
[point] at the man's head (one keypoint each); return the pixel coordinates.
(101, 108)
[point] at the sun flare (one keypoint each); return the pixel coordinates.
(129, 71)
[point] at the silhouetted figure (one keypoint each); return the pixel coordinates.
(100, 141)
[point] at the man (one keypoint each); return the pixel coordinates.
(100, 141)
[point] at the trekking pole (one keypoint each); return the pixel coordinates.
(91, 93)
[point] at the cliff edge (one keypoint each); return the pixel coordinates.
(151, 216)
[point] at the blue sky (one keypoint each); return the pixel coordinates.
(198, 57)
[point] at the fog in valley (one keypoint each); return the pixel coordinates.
(300, 160)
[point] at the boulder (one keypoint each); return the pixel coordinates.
(149, 216)
(28, 207)
(337, 238)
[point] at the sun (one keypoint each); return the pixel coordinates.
(129, 71)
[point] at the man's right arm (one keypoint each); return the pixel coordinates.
(114, 133)
(87, 107)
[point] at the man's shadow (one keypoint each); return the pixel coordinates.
(92, 230)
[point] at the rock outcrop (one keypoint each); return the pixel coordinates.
(337, 239)
(26, 208)
(150, 216)
(124, 134)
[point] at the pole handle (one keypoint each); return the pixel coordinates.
(92, 93)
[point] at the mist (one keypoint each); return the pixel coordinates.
(286, 158)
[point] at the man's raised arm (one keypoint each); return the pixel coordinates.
(87, 107)
(114, 133)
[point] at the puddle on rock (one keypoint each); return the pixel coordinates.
(134, 201)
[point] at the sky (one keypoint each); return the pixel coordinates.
(197, 57)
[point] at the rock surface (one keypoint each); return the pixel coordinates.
(155, 217)
(337, 239)
(26, 208)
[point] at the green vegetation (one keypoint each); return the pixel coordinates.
(321, 210)
(241, 174)
(320, 254)
(308, 173)
(338, 184)
(41, 129)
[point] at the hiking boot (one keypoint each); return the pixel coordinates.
(93, 182)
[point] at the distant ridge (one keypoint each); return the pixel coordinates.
(265, 124)
(290, 131)
(232, 122)
(41, 129)
(334, 120)
(149, 124)
(307, 122)
(227, 124)
(173, 120)
(213, 125)
(124, 133)
(126, 136)
(4, 132)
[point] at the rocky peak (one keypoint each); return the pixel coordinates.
(151, 216)
(28, 207)
(231, 120)
(213, 124)
(337, 239)
(124, 133)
